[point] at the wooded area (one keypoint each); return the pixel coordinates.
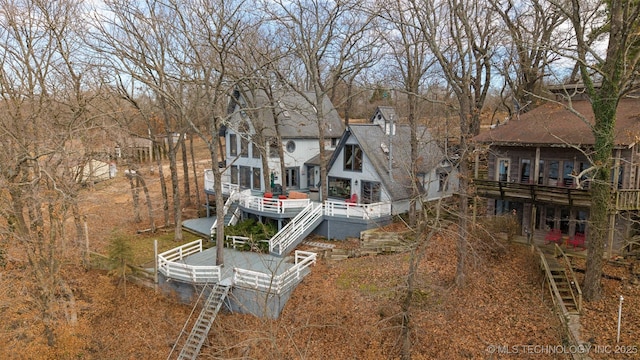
(84, 81)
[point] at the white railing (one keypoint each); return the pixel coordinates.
(227, 188)
(277, 206)
(236, 241)
(275, 283)
(295, 228)
(169, 265)
(360, 211)
(232, 197)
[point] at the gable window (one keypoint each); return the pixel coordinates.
(370, 192)
(273, 148)
(255, 151)
(244, 147)
(233, 145)
(291, 146)
(443, 181)
(352, 157)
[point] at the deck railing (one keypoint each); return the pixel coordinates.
(227, 188)
(275, 283)
(295, 228)
(170, 265)
(627, 199)
(361, 211)
(277, 206)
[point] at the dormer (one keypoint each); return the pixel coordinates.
(384, 116)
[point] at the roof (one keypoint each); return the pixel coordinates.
(554, 124)
(297, 117)
(387, 112)
(316, 159)
(371, 139)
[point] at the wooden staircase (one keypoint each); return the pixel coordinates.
(563, 285)
(201, 328)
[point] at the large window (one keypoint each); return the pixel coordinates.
(554, 167)
(234, 175)
(541, 172)
(273, 148)
(245, 176)
(339, 187)
(352, 157)
(370, 192)
(244, 147)
(443, 181)
(503, 170)
(256, 178)
(233, 145)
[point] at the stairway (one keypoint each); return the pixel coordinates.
(201, 328)
(292, 234)
(564, 282)
(231, 217)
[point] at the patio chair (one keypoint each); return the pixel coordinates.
(352, 200)
(577, 240)
(554, 235)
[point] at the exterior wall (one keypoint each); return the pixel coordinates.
(334, 228)
(368, 173)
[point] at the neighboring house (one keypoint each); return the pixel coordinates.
(372, 165)
(539, 167)
(297, 123)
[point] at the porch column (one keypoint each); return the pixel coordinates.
(536, 166)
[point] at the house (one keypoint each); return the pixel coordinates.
(372, 164)
(296, 121)
(539, 167)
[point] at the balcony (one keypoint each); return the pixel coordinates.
(557, 195)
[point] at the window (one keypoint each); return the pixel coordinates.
(273, 148)
(311, 176)
(370, 192)
(291, 146)
(525, 170)
(292, 177)
(566, 173)
(245, 176)
(352, 158)
(554, 167)
(244, 147)
(255, 151)
(256, 178)
(503, 170)
(234, 175)
(334, 142)
(339, 187)
(233, 145)
(443, 181)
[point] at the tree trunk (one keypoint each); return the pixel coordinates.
(163, 186)
(145, 189)
(195, 171)
(134, 195)
(185, 170)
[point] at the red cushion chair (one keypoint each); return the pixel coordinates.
(353, 199)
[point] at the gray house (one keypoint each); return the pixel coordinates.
(251, 134)
(372, 164)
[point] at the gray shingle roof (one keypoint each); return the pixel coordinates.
(371, 137)
(297, 117)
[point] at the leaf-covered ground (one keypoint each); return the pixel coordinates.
(347, 309)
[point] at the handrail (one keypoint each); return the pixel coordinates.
(275, 283)
(169, 266)
(555, 293)
(225, 209)
(297, 226)
(573, 279)
(277, 206)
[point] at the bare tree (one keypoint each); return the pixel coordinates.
(315, 31)
(460, 34)
(607, 77)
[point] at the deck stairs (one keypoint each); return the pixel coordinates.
(563, 284)
(295, 231)
(201, 328)
(230, 210)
